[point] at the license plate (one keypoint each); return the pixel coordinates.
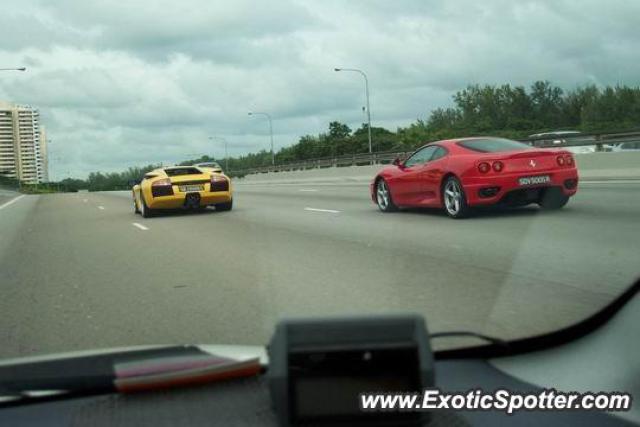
(534, 180)
(188, 188)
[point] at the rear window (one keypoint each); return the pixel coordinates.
(492, 145)
(182, 171)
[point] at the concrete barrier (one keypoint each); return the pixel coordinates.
(591, 166)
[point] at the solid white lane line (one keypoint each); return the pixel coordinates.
(321, 210)
(308, 190)
(140, 226)
(101, 208)
(15, 199)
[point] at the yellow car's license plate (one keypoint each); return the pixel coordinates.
(189, 188)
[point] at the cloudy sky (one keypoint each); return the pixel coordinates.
(130, 83)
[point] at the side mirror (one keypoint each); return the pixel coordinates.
(398, 161)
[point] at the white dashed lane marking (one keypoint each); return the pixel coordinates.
(321, 210)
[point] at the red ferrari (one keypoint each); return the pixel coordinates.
(459, 174)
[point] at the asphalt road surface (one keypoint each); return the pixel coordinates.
(81, 271)
(6, 196)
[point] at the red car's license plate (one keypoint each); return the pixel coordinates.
(534, 180)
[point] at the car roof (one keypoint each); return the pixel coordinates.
(161, 171)
(453, 141)
(178, 167)
(444, 143)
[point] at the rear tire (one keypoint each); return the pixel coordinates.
(553, 199)
(383, 197)
(453, 199)
(144, 209)
(135, 206)
(225, 206)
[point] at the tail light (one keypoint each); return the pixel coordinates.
(219, 183)
(162, 187)
(560, 160)
(570, 161)
(161, 182)
(484, 167)
(498, 166)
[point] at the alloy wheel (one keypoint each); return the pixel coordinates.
(382, 195)
(452, 197)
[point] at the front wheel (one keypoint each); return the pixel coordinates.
(225, 206)
(553, 198)
(454, 199)
(383, 197)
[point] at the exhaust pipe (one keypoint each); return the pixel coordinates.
(192, 201)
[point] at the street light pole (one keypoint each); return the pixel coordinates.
(226, 155)
(273, 155)
(366, 91)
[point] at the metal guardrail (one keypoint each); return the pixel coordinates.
(602, 142)
(579, 140)
(327, 162)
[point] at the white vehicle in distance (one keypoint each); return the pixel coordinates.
(626, 146)
(556, 137)
(559, 138)
(215, 166)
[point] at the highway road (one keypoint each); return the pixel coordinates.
(6, 196)
(81, 271)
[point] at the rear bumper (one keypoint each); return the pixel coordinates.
(488, 190)
(177, 200)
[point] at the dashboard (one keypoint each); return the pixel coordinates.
(606, 359)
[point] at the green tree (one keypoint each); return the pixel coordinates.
(546, 101)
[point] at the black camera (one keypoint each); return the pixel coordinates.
(320, 368)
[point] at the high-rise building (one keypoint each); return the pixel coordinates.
(44, 155)
(23, 145)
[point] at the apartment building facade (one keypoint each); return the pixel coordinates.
(23, 144)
